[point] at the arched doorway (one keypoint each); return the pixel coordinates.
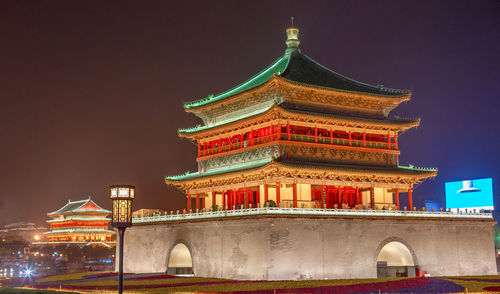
(395, 260)
(180, 261)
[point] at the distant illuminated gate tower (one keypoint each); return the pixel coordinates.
(300, 135)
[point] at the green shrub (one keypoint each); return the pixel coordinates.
(270, 203)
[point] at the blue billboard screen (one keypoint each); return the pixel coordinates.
(471, 194)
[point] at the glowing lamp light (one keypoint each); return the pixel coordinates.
(37, 237)
(122, 197)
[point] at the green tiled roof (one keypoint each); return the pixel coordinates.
(299, 68)
(331, 166)
(199, 128)
(73, 206)
(240, 167)
(409, 170)
(56, 220)
(276, 68)
(394, 120)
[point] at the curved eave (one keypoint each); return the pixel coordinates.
(261, 78)
(340, 170)
(394, 98)
(86, 212)
(400, 171)
(277, 79)
(279, 68)
(217, 172)
(193, 133)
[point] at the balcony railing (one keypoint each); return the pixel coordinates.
(274, 211)
(296, 138)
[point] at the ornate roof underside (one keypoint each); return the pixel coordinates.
(299, 68)
(398, 123)
(420, 173)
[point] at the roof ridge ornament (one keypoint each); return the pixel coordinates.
(292, 39)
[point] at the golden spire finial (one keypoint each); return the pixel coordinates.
(292, 38)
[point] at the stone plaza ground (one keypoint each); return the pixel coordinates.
(106, 282)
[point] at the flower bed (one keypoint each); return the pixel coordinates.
(157, 277)
(161, 283)
(63, 277)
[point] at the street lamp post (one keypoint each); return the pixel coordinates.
(122, 197)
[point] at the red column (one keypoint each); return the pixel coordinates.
(188, 202)
(233, 198)
(316, 134)
(323, 196)
(396, 196)
(346, 200)
(358, 196)
(204, 148)
(364, 139)
(396, 142)
(199, 149)
(278, 200)
(341, 196)
(350, 139)
(223, 199)
(372, 198)
(388, 141)
(410, 202)
(214, 199)
(266, 193)
(294, 195)
(288, 132)
(197, 201)
(246, 197)
(331, 136)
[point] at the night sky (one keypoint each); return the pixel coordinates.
(91, 92)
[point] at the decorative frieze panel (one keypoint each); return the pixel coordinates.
(279, 90)
(232, 110)
(301, 176)
(338, 155)
(336, 101)
(244, 157)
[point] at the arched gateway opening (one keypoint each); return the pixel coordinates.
(180, 261)
(395, 260)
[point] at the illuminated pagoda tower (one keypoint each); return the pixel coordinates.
(80, 222)
(302, 136)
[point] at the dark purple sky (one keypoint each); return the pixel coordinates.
(91, 91)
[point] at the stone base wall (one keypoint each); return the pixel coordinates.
(276, 248)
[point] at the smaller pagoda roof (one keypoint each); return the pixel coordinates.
(76, 218)
(80, 206)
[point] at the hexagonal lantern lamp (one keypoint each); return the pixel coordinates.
(122, 197)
